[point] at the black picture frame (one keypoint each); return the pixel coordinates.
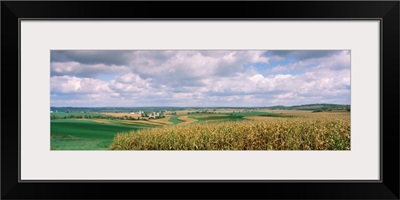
(386, 11)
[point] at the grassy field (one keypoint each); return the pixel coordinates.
(87, 134)
(316, 131)
(174, 119)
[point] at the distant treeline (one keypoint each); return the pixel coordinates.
(93, 117)
(54, 117)
(313, 107)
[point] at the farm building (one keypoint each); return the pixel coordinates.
(154, 115)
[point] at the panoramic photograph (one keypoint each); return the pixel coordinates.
(200, 100)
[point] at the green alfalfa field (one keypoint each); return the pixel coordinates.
(87, 134)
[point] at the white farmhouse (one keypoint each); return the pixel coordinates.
(154, 115)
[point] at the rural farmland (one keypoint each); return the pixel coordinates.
(201, 129)
(200, 99)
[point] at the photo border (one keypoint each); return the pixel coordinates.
(158, 178)
(386, 12)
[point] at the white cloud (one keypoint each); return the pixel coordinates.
(194, 64)
(67, 84)
(84, 70)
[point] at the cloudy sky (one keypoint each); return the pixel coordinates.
(124, 78)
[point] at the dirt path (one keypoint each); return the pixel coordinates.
(186, 120)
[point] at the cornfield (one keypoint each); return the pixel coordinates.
(320, 133)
